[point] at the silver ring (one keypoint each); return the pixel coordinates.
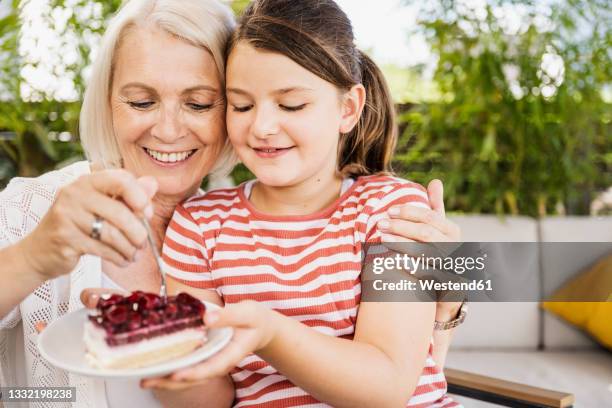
(96, 228)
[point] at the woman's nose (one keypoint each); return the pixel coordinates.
(265, 123)
(169, 125)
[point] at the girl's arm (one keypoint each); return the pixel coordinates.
(408, 223)
(380, 367)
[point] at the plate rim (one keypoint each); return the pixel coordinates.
(227, 334)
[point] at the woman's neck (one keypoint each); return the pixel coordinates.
(163, 208)
(307, 197)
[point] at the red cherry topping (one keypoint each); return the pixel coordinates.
(116, 314)
(112, 300)
(140, 315)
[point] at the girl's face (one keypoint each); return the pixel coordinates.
(167, 109)
(283, 121)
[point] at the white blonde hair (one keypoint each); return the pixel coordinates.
(204, 23)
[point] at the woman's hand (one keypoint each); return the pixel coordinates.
(89, 298)
(414, 224)
(254, 329)
(408, 223)
(65, 233)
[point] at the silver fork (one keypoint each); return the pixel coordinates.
(162, 291)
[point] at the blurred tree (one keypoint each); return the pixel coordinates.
(239, 5)
(518, 122)
(40, 130)
(522, 125)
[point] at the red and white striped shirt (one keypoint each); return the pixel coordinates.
(306, 267)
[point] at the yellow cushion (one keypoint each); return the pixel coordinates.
(593, 317)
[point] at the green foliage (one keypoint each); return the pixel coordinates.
(40, 134)
(530, 144)
(408, 84)
(499, 145)
(239, 5)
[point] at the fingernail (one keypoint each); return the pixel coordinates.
(383, 225)
(148, 212)
(394, 211)
(94, 298)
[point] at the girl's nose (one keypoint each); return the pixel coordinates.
(265, 123)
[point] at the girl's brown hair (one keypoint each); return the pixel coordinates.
(318, 35)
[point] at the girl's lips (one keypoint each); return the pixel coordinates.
(271, 152)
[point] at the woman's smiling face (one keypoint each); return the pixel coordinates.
(168, 109)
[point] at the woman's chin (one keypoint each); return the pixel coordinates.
(171, 187)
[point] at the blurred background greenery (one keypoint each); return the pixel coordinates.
(514, 118)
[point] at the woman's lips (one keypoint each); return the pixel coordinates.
(271, 152)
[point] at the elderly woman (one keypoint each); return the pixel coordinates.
(152, 124)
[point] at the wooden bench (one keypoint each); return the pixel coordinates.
(502, 392)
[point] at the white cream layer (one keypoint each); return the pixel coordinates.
(96, 345)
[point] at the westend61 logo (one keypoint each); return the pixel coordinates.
(388, 272)
(479, 271)
(412, 264)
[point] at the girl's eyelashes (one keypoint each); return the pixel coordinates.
(245, 108)
(293, 108)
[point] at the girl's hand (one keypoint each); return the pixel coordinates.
(254, 329)
(65, 232)
(414, 224)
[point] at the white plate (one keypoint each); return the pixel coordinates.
(61, 344)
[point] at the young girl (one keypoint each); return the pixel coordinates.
(301, 96)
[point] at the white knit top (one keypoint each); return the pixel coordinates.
(22, 205)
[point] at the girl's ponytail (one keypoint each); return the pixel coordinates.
(368, 148)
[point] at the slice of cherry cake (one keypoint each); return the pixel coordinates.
(141, 329)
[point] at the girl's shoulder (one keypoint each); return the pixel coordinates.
(211, 199)
(387, 188)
